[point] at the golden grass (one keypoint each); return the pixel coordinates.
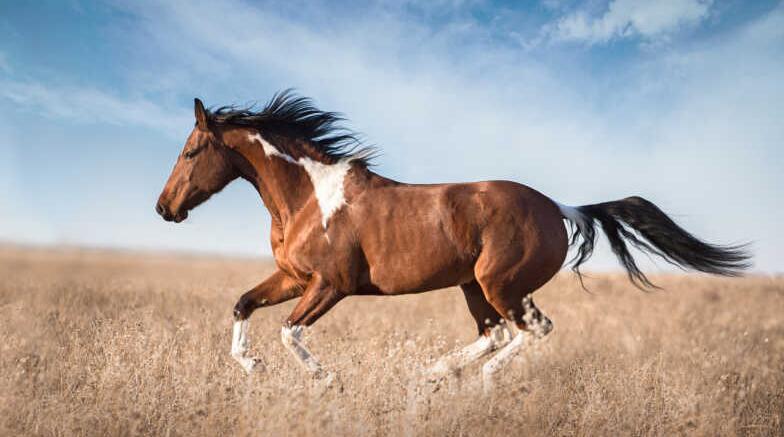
(97, 343)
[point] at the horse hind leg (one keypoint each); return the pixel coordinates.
(508, 276)
(492, 335)
(528, 321)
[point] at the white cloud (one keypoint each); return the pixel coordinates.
(416, 92)
(451, 106)
(649, 20)
(460, 111)
(91, 105)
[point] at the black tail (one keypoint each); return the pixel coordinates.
(660, 236)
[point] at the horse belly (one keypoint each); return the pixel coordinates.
(419, 261)
(405, 276)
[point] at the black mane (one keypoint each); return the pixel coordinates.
(290, 115)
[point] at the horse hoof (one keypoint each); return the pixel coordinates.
(324, 377)
(435, 379)
(438, 373)
(326, 381)
(252, 365)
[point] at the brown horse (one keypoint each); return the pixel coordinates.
(339, 229)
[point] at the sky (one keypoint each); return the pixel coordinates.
(679, 101)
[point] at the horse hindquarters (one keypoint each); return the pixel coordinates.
(523, 245)
(523, 248)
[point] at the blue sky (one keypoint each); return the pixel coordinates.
(679, 101)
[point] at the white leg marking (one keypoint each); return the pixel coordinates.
(499, 360)
(455, 360)
(291, 338)
(239, 346)
(460, 358)
(327, 179)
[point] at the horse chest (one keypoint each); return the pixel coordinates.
(308, 249)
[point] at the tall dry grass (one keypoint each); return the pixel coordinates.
(97, 343)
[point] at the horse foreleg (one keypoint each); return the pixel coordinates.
(278, 288)
(240, 346)
(318, 298)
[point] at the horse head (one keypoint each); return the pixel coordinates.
(202, 169)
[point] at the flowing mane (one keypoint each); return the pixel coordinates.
(293, 116)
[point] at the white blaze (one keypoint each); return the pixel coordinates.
(327, 179)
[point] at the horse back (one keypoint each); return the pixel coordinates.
(416, 238)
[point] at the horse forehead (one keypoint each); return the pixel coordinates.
(193, 136)
(197, 137)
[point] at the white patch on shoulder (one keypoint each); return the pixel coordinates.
(269, 149)
(327, 182)
(327, 179)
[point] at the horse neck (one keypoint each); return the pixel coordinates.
(284, 186)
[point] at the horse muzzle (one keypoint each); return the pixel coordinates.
(167, 215)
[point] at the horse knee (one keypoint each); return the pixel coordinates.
(245, 307)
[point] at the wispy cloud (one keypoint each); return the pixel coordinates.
(455, 106)
(5, 66)
(416, 92)
(648, 20)
(448, 99)
(91, 105)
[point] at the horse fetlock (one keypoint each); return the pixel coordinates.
(244, 307)
(545, 326)
(249, 364)
(539, 327)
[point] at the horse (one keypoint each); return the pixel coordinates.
(339, 229)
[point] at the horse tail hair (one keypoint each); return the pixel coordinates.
(641, 223)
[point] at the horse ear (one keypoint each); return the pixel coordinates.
(201, 114)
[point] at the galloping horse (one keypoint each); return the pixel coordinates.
(339, 229)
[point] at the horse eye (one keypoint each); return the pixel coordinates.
(191, 153)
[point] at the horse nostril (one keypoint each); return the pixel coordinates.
(160, 209)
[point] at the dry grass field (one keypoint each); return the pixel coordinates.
(97, 343)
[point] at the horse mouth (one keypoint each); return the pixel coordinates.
(180, 217)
